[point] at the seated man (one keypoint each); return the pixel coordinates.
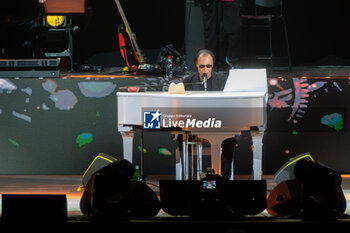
(215, 82)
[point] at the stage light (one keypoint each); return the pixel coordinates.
(286, 172)
(55, 20)
(273, 82)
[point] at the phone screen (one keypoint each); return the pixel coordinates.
(209, 184)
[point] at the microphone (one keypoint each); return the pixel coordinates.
(205, 79)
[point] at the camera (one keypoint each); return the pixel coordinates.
(210, 197)
(209, 184)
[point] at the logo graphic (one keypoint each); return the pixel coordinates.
(151, 120)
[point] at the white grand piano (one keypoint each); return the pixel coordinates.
(241, 106)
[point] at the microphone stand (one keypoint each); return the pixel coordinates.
(205, 81)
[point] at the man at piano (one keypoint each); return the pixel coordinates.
(207, 79)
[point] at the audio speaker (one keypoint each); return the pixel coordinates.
(107, 192)
(239, 197)
(286, 172)
(100, 161)
(245, 197)
(285, 198)
(323, 196)
(314, 193)
(180, 197)
(34, 207)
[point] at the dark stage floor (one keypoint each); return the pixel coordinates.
(68, 184)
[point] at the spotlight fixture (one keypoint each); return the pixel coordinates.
(55, 21)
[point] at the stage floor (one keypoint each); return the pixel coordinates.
(69, 184)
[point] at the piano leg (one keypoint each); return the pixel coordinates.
(257, 137)
(178, 166)
(216, 157)
(184, 158)
(128, 138)
(196, 148)
(199, 143)
(215, 145)
(178, 157)
(232, 176)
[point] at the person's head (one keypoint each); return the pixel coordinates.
(204, 62)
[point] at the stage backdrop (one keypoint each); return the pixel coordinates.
(57, 126)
